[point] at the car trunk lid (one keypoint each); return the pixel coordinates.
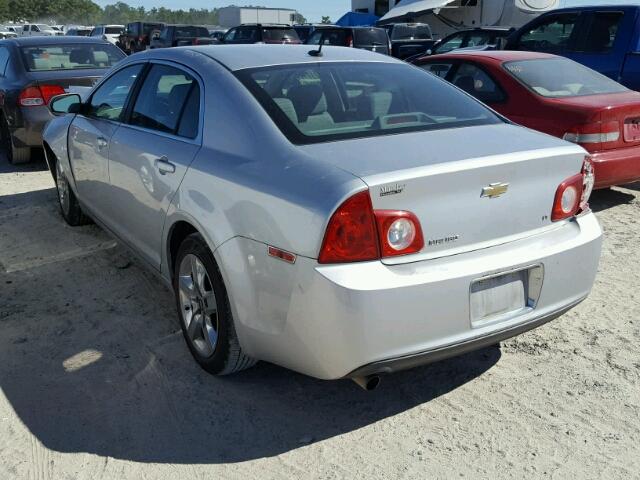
(470, 188)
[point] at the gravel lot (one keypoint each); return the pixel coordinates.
(96, 381)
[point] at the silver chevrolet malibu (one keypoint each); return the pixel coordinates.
(339, 213)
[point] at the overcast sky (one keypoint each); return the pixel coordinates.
(312, 9)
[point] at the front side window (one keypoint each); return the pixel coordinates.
(441, 69)
(561, 77)
(335, 101)
(553, 35)
(163, 98)
(475, 81)
(109, 100)
(74, 56)
(452, 43)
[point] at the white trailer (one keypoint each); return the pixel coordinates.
(447, 16)
(233, 16)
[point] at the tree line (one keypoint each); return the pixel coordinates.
(86, 12)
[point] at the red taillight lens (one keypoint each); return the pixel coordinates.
(40, 95)
(351, 235)
(357, 233)
(593, 135)
(400, 232)
(568, 198)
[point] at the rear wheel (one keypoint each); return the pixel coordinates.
(204, 310)
(69, 206)
(15, 155)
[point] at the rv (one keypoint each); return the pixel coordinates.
(448, 16)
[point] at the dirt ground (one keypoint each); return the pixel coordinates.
(96, 381)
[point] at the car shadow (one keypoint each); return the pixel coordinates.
(92, 361)
(608, 198)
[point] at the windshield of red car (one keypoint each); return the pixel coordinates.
(560, 77)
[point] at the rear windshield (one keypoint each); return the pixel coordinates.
(411, 32)
(147, 28)
(191, 32)
(334, 101)
(371, 36)
(338, 37)
(113, 30)
(75, 56)
(280, 35)
(561, 77)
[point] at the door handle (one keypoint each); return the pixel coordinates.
(102, 143)
(164, 166)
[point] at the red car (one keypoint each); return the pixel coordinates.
(557, 96)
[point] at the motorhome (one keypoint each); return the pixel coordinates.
(448, 16)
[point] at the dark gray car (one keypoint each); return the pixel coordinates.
(35, 69)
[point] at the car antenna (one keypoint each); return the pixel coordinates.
(318, 52)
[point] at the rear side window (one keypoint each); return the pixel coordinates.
(452, 43)
(113, 30)
(475, 81)
(280, 35)
(162, 99)
(371, 36)
(602, 32)
(335, 101)
(553, 35)
(109, 99)
(338, 38)
(74, 56)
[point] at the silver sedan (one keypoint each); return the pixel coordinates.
(339, 213)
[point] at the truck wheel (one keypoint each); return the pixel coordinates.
(204, 310)
(15, 155)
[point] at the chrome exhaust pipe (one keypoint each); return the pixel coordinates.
(368, 383)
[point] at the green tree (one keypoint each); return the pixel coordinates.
(326, 20)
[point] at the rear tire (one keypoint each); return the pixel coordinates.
(69, 206)
(15, 155)
(204, 310)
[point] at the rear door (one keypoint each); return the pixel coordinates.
(89, 137)
(150, 155)
(604, 41)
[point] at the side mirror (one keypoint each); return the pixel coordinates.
(67, 103)
(429, 52)
(156, 35)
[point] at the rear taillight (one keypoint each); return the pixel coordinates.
(357, 233)
(572, 196)
(38, 96)
(400, 232)
(592, 134)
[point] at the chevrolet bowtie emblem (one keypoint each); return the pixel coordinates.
(495, 190)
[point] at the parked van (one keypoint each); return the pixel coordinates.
(604, 38)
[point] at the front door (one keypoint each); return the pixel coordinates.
(90, 134)
(150, 155)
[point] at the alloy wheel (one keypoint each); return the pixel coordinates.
(199, 306)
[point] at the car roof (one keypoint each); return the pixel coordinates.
(240, 57)
(62, 39)
(498, 55)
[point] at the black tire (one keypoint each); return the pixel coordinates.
(69, 206)
(227, 356)
(15, 155)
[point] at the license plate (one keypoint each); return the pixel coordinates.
(632, 130)
(498, 296)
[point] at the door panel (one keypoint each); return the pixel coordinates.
(150, 155)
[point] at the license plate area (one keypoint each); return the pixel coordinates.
(505, 295)
(632, 130)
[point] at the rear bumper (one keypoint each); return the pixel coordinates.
(29, 133)
(616, 167)
(335, 321)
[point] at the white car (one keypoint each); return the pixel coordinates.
(110, 33)
(39, 30)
